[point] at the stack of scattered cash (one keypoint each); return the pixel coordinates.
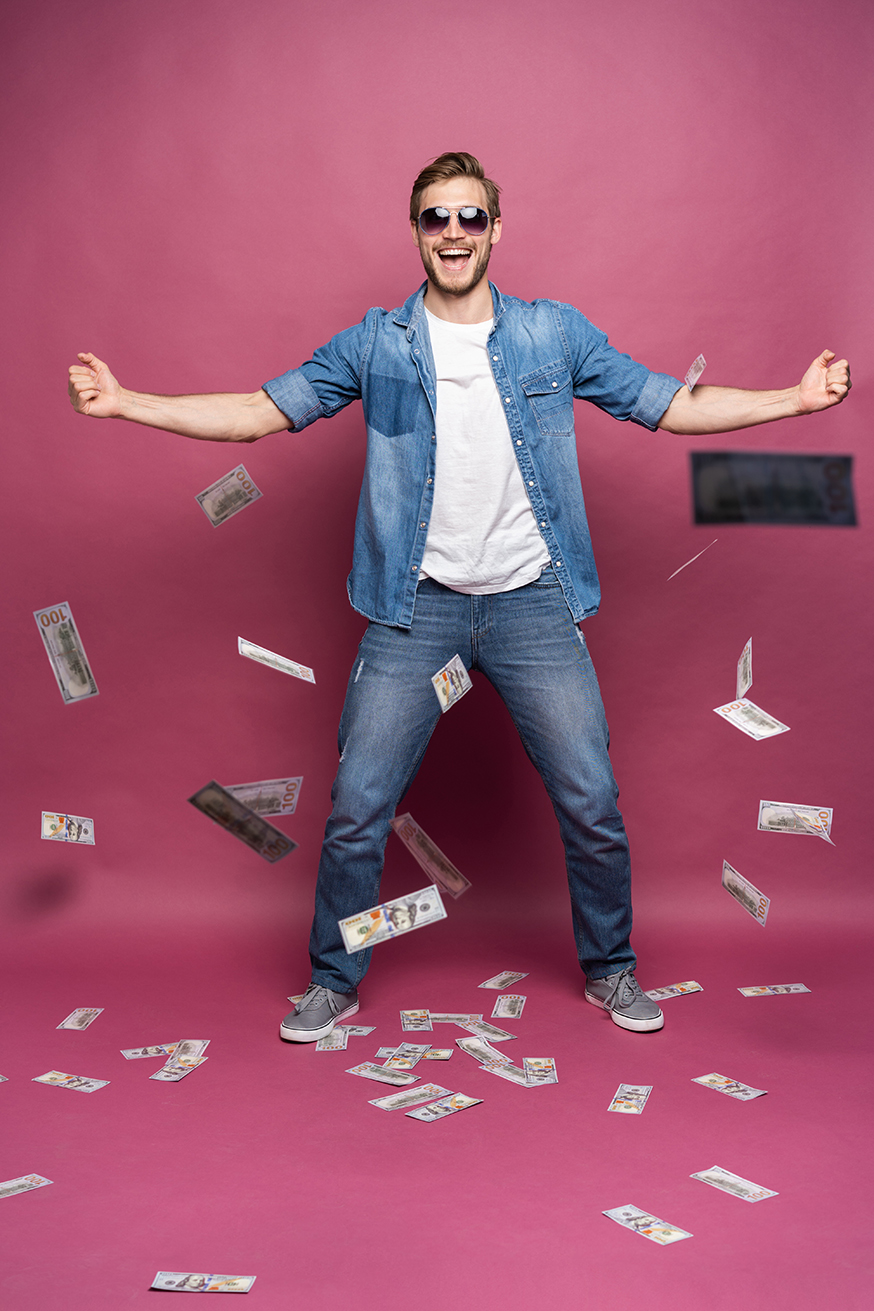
(187, 1056)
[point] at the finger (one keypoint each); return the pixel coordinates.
(824, 357)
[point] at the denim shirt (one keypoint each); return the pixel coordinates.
(542, 355)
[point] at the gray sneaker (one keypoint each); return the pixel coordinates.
(316, 1014)
(620, 994)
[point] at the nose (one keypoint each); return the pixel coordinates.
(453, 229)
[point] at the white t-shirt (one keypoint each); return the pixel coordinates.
(482, 536)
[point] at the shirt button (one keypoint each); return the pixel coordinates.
(433, 439)
(416, 352)
(519, 441)
(506, 400)
(542, 523)
(423, 525)
(494, 357)
(415, 567)
(558, 564)
(555, 384)
(530, 483)
(430, 480)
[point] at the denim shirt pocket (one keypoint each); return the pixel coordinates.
(549, 390)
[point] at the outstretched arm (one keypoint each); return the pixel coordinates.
(724, 409)
(215, 417)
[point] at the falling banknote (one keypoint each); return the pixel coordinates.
(23, 1184)
(81, 1017)
(675, 990)
(745, 671)
(180, 1282)
(414, 1097)
(451, 682)
(693, 373)
(630, 1098)
(227, 497)
(265, 657)
(226, 810)
(641, 1222)
(67, 828)
(733, 1183)
(786, 817)
(440, 870)
(446, 1106)
(742, 1091)
(750, 719)
(77, 1081)
(748, 896)
(391, 919)
(274, 796)
(65, 652)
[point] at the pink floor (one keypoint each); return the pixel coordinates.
(269, 1161)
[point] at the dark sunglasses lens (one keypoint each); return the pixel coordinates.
(433, 221)
(474, 221)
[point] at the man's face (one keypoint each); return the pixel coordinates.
(454, 261)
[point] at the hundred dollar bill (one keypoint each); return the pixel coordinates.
(3, 1078)
(509, 1007)
(696, 368)
(505, 979)
(411, 1020)
(225, 498)
(752, 900)
(265, 657)
(437, 1054)
(440, 870)
(406, 1056)
(77, 1081)
(186, 1056)
(173, 1073)
(218, 804)
(742, 1091)
(67, 828)
(66, 653)
(383, 1053)
(732, 1183)
(180, 1282)
(356, 1030)
(659, 1231)
(391, 919)
(785, 817)
(751, 720)
(23, 1184)
(540, 1069)
(692, 561)
(335, 1041)
(451, 682)
(446, 1106)
(274, 796)
(481, 1051)
(81, 1017)
(772, 989)
(745, 671)
(413, 1097)
(367, 1070)
(483, 1029)
(454, 1017)
(630, 1098)
(675, 990)
(512, 1073)
(139, 1053)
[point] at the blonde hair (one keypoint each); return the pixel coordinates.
(454, 164)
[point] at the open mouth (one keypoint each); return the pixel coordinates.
(455, 257)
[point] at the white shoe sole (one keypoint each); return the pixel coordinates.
(313, 1035)
(625, 1022)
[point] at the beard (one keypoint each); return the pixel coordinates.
(451, 286)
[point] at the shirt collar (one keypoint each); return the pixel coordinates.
(412, 311)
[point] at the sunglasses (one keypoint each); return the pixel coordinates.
(474, 221)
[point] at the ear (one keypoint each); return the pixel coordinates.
(496, 231)
(414, 230)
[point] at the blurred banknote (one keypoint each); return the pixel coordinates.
(675, 990)
(480, 1050)
(77, 1081)
(451, 682)
(696, 368)
(505, 979)
(659, 1231)
(66, 654)
(748, 896)
(733, 1183)
(411, 1020)
(81, 1017)
(446, 1106)
(540, 1069)
(630, 1098)
(402, 1100)
(265, 657)
(138, 1053)
(786, 817)
(506, 1070)
(742, 1091)
(483, 1029)
(509, 1007)
(383, 1053)
(227, 497)
(751, 720)
(177, 1282)
(274, 796)
(23, 1184)
(67, 828)
(391, 919)
(440, 870)
(230, 813)
(356, 1030)
(335, 1041)
(437, 1054)
(367, 1070)
(745, 671)
(3, 1078)
(454, 1017)
(772, 989)
(406, 1056)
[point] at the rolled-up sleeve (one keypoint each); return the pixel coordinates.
(295, 397)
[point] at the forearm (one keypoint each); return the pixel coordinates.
(215, 417)
(725, 409)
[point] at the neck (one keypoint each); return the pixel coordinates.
(474, 307)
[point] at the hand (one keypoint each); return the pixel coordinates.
(93, 390)
(824, 384)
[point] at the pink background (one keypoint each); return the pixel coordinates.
(203, 193)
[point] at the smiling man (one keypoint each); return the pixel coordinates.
(471, 539)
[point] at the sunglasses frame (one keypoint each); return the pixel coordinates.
(461, 222)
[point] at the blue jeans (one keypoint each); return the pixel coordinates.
(527, 645)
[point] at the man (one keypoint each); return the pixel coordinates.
(471, 539)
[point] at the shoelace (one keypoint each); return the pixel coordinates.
(314, 996)
(624, 990)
